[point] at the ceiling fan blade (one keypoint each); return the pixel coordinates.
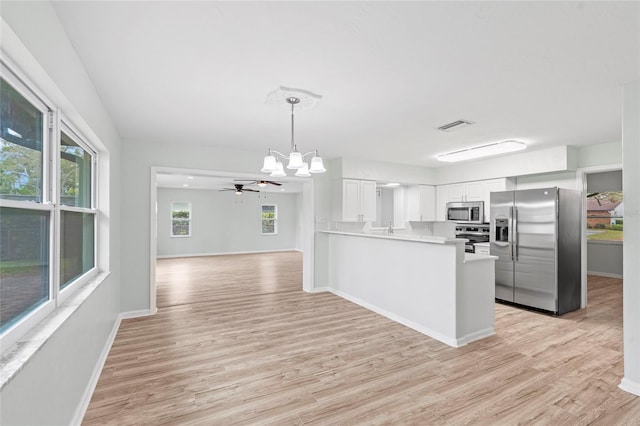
(250, 190)
(271, 182)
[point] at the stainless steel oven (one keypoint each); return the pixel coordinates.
(466, 212)
(475, 233)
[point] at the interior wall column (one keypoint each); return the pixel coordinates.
(631, 268)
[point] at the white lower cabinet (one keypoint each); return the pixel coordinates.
(358, 201)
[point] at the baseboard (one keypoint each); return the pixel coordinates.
(604, 274)
(95, 376)
(136, 314)
(172, 256)
(475, 336)
(401, 320)
(630, 386)
(320, 290)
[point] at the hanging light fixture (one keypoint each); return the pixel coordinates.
(274, 166)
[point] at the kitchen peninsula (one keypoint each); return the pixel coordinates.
(427, 283)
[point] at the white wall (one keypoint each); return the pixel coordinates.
(53, 385)
(631, 176)
(223, 222)
(566, 180)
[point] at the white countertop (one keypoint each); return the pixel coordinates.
(401, 237)
(474, 257)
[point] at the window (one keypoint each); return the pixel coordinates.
(47, 209)
(605, 216)
(269, 215)
(180, 219)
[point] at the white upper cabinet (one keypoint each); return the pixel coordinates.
(421, 203)
(358, 201)
(470, 191)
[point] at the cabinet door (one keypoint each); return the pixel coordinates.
(427, 202)
(368, 200)
(474, 191)
(351, 200)
(455, 193)
(441, 202)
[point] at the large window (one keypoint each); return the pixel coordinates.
(269, 216)
(605, 216)
(47, 209)
(180, 219)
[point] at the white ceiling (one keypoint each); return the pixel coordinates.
(547, 73)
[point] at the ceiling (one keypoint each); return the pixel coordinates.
(390, 73)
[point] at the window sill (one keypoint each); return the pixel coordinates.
(605, 242)
(18, 355)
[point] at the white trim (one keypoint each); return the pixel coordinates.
(136, 314)
(81, 409)
(18, 355)
(404, 321)
(629, 386)
(604, 274)
(173, 256)
(320, 290)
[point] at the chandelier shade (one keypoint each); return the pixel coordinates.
(296, 160)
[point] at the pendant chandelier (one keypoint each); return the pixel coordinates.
(273, 164)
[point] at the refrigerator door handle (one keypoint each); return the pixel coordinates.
(515, 232)
(510, 233)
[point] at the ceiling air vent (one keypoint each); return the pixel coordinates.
(455, 125)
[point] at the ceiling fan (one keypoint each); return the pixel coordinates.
(239, 189)
(261, 183)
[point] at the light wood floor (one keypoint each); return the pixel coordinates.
(236, 341)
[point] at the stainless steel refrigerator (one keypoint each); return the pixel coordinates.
(536, 235)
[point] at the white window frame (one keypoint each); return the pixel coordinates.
(190, 220)
(275, 219)
(53, 124)
(65, 126)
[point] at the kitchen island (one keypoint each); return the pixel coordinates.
(427, 283)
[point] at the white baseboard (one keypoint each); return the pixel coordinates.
(320, 289)
(604, 274)
(404, 321)
(95, 376)
(630, 386)
(91, 386)
(171, 256)
(475, 336)
(135, 314)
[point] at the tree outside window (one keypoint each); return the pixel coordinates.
(269, 219)
(180, 219)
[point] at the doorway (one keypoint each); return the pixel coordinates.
(303, 209)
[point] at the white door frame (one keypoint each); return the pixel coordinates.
(308, 225)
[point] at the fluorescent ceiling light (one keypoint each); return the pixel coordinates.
(392, 184)
(482, 151)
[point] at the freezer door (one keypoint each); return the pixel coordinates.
(500, 242)
(535, 248)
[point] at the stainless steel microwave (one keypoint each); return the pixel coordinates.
(466, 212)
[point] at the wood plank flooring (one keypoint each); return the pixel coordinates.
(236, 341)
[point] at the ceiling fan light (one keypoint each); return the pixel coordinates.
(238, 192)
(295, 160)
(317, 166)
(303, 171)
(262, 183)
(269, 165)
(279, 172)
